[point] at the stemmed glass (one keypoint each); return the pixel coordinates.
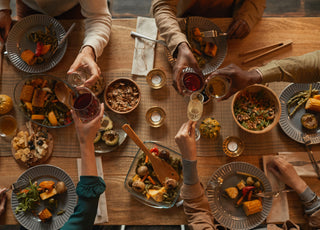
(195, 109)
(191, 81)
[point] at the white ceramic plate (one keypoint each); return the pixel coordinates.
(292, 125)
(66, 201)
(223, 208)
(18, 41)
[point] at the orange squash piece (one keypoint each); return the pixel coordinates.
(52, 118)
(37, 117)
(47, 185)
(45, 49)
(29, 57)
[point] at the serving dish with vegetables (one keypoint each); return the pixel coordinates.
(300, 111)
(36, 98)
(143, 184)
(231, 193)
(48, 199)
(32, 43)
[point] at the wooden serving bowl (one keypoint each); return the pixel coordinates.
(117, 98)
(269, 94)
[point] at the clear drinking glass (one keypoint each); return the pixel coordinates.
(86, 104)
(191, 81)
(195, 109)
(77, 78)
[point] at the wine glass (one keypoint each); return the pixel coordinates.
(195, 109)
(191, 81)
(86, 104)
(78, 77)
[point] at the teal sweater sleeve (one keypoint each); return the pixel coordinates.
(89, 190)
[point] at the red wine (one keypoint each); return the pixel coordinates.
(87, 106)
(192, 81)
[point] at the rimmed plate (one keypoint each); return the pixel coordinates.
(223, 209)
(67, 201)
(205, 24)
(18, 41)
(292, 125)
(118, 122)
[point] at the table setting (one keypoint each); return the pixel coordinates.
(155, 117)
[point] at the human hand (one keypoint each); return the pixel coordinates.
(3, 200)
(86, 60)
(239, 78)
(185, 139)
(185, 59)
(86, 132)
(285, 172)
(5, 24)
(238, 29)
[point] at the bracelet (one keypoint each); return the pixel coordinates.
(313, 200)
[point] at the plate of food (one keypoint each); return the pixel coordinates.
(47, 200)
(143, 184)
(32, 43)
(209, 52)
(231, 193)
(110, 135)
(300, 111)
(32, 145)
(36, 98)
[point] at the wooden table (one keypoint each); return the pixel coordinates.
(117, 61)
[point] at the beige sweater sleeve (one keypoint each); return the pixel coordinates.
(300, 69)
(164, 12)
(249, 10)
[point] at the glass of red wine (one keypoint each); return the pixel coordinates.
(86, 104)
(191, 81)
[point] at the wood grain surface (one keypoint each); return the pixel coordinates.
(115, 62)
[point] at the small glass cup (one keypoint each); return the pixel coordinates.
(155, 116)
(191, 81)
(217, 86)
(8, 126)
(156, 78)
(86, 104)
(233, 146)
(77, 78)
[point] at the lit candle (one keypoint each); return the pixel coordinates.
(232, 146)
(156, 79)
(155, 116)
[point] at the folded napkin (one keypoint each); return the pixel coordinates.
(279, 212)
(296, 157)
(143, 57)
(102, 213)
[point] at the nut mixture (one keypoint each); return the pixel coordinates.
(122, 96)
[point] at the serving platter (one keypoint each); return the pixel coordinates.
(223, 208)
(18, 41)
(292, 125)
(205, 24)
(67, 201)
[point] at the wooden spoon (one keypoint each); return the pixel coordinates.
(162, 169)
(63, 93)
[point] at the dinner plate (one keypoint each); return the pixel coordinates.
(67, 201)
(118, 122)
(223, 208)
(18, 41)
(205, 24)
(292, 125)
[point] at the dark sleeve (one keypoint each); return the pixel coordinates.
(89, 190)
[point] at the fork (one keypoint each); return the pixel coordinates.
(135, 34)
(307, 141)
(212, 34)
(273, 194)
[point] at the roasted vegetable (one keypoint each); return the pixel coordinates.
(29, 57)
(6, 104)
(110, 137)
(46, 195)
(106, 123)
(232, 192)
(309, 121)
(61, 187)
(252, 207)
(45, 215)
(313, 104)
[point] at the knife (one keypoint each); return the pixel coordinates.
(301, 163)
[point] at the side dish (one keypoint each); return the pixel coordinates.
(106, 133)
(145, 181)
(46, 192)
(39, 102)
(243, 193)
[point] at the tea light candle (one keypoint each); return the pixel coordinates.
(232, 146)
(155, 116)
(156, 79)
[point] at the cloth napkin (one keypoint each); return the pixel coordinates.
(303, 170)
(143, 56)
(279, 212)
(102, 213)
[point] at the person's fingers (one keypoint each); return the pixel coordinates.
(91, 81)
(192, 129)
(232, 30)
(274, 172)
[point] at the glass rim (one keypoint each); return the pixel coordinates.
(77, 95)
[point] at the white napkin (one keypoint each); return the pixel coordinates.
(143, 57)
(304, 170)
(280, 209)
(102, 213)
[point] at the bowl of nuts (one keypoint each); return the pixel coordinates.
(122, 95)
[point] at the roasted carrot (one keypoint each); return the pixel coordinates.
(146, 160)
(250, 195)
(151, 180)
(240, 200)
(196, 51)
(145, 176)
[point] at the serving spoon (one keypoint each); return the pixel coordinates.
(63, 93)
(162, 169)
